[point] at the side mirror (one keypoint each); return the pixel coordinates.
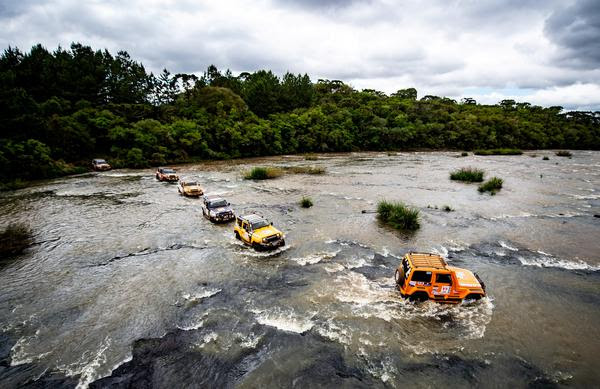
(271, 223)
(228, 204)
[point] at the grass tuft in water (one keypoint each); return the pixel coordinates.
(263, 173)
(14, 239)
(545, 158)
(311, 157)
(498, 152)
(467, 174)
(305, 170)
(464, 154)
(447, 208)
(563, 153)
(306, 202)
(492, 185)
(398, 215)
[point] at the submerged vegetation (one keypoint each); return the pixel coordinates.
(306, 202)
(564, 153)
(13, 240)
(467, 174)
(492, 185)
(61, 108)
(305, 170)
(398, 215)
(498, 152)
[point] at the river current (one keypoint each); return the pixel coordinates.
(127, 285)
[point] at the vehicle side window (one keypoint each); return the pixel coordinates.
(405, 265)
(443, 279)
(421, 276)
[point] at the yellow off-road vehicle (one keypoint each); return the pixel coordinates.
(424, 276)
(189, 188)
(257, 232)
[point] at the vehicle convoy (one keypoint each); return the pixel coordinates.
(100, 165)
(166, 174)
(189, 188)
(257, 232)
(217, 209)
(424, 276)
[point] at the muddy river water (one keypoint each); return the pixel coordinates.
(127, 284)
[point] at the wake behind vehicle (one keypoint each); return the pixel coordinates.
(189, 188)
(166, 174)
(217, 209)
(100, 165)
(257, 232)
(424, 276)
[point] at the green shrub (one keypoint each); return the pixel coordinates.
(311, 157)
(398, 215)
(263, 173)
(545, 158)
(492, 185)
(464, 154)
(306, 202)
(13, 240)
(467, 174)
(564, 153)
(498, 152)
(447, 208)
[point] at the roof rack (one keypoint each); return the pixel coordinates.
(427, 260)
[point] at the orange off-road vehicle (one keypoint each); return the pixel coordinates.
(424, 276)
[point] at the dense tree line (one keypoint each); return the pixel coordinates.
(60, 109)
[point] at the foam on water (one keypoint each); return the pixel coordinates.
(200, 295)
(507, 246)
(265, 254)
(91, 367)
(311, 259)
(547, 260)
(284, 319)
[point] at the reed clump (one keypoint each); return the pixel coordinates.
(467, 174)
(263, 173)
(398, 215)
(492, 185)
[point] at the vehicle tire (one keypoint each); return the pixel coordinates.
(473, 296)
(237, 236)
(396, 276)
(418, 297)
(282, 243)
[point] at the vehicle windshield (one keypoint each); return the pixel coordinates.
(168, 171)
(190, 184)
(259, 224)
(217, 204)
(100, 161)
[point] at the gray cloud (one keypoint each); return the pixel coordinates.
(439, 47)
(576, 30)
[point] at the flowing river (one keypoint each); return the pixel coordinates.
(127, 285)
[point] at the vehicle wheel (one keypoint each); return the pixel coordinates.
(237, 236)
(418, 297)
(473, 296)
(282, 243)
(396, 276)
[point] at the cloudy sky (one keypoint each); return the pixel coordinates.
(545, 52)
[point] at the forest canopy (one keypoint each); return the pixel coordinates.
(60, 109)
